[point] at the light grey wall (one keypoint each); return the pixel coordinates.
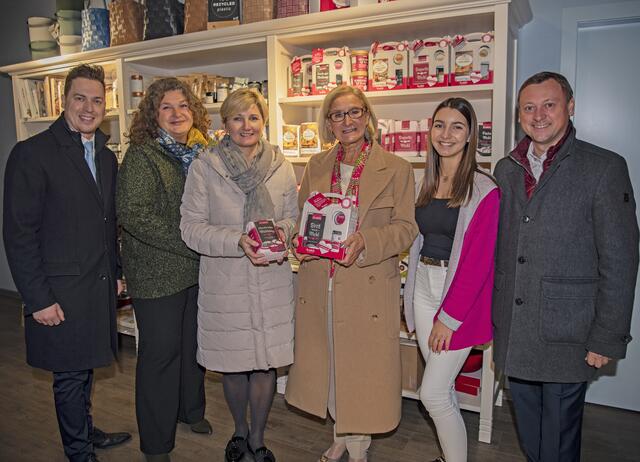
(14, 37)
(540, 41)
(540, 48)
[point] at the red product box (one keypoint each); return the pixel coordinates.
(327, 220)
(465, 388)
(264, 232)
(472, 380)
(388, 66)
(429, 63)
(406, 138)
(472, 59)
(330, 68)
(327, 5)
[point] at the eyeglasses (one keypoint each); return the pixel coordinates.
(353, 113)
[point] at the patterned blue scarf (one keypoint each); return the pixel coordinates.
(184, 153)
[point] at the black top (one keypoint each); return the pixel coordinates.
(437, 223)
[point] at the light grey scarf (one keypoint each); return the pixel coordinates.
(251, 178)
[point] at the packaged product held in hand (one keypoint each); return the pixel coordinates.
(327, 220)
(264, 232)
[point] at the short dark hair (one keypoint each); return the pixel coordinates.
(541, 77)
(86, 71)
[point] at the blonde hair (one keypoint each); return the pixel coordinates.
(324, 128)
(242, 99)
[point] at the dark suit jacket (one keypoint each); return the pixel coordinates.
(566, 267)
(60, 239)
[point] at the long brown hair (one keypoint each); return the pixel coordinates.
(145, 120)
(462, 184)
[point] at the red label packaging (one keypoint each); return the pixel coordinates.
(331, 68)
(429, 63)
(406, 138)
(327, 5)
(386, 134)
(327, 220)
(388, 66)
(300, 76)
(484, 139)
(264, 232)
(472, 59)
(424, 125)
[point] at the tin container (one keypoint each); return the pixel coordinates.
(360, 80)
(136, 97)
(257, 86)
(222, 91)
(359, 61)
(137, 83)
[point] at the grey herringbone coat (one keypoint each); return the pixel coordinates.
(567, 260)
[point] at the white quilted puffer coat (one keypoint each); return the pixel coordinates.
(245, 312)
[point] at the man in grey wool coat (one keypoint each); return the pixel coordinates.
(567, 260)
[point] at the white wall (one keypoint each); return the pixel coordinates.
(14, 37)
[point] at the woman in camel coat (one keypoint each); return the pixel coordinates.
(357, 311)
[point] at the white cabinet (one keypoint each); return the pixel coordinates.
(263, 51)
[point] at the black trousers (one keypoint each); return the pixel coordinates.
(169, 381)
(72, 396)
(549, 419)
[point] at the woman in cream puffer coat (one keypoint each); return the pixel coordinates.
(245, 303)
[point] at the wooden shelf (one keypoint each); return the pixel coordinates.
(411, 95)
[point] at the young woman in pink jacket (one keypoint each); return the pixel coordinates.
(450, 279)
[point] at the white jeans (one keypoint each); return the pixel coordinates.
(437, 391)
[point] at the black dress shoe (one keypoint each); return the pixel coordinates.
(236, 449)
(203, 426)
(102, 440)
(93, 458)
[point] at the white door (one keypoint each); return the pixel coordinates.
(600, 56)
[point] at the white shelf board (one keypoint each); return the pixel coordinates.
(411, 95)
(301, 160)
(215, 52)
(210, 107)
(110, 115)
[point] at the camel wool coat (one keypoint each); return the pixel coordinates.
(245, 312)
(366, 303)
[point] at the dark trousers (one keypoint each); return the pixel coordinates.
(549, 419)
(169, 381)
(72, 396)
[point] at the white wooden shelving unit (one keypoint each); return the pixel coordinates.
(264, 50)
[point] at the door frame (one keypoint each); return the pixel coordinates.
(576, 18)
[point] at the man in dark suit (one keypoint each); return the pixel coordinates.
(60, 239)
(567, 260)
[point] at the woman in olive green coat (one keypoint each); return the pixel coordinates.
(162, 273)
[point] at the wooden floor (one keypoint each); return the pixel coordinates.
(29, 432)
